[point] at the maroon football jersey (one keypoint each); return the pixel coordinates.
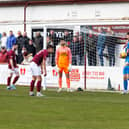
(3, 57)
(12, 55)
(38, 58)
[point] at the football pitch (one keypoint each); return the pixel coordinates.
(78, 110)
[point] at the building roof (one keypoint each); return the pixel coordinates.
(47, 2)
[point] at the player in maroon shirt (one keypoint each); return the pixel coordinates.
(37, 67)
(13, 68)
(3, 55)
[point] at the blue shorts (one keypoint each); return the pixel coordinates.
(126, 70)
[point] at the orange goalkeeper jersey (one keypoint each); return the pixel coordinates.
(63, 56)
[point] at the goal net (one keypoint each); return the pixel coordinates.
(95, 53)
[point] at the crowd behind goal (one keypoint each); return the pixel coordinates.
(98, 46)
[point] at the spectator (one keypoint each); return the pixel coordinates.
(3, 55)
(81, 49)
(101, 45)
(77, 35)
(49, 41)
(53, 37)
(4, 40)
(55, 41)
(67, 37)
(20, 43)
(75, 51)
(49, 58)
(38, 41)
(31, 48)
(25, 39)
(11, 40)
(91, 41)
(111, 41)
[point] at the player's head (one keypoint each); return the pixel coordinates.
(62, 43)
(127, 35)
(50, 48)
(14, 47)
(24, 51)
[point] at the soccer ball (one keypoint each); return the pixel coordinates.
(123, 55)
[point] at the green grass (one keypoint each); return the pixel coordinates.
(78, 110)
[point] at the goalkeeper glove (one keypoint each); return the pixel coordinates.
(70, 68)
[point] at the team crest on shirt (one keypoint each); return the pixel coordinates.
(64, 54)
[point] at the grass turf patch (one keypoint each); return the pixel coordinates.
(78, 110)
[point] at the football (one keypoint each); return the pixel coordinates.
(123, 55)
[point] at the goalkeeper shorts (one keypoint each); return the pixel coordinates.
(65, 69)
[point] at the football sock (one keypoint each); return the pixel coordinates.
(38, 86)
(125, 85)
(32, 85)
(8, 81)
(60, 82)
(68, 82)
(15, 79)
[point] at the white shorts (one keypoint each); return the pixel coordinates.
(35, 69)
(15, 71)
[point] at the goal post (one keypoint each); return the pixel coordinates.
(102, 45)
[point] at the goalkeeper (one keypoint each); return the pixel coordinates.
(63, 63)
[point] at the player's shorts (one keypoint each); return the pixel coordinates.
(35, 69)
(15, 71)
(126, 70)
(65, 69)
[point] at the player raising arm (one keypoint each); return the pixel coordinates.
(13, 68)
(63, 63)
(38, 66)
(126, 67)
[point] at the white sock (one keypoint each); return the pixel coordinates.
(31, 92)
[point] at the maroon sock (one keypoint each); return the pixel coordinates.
(15, 79)
(38, 86)
(8, 81)
(32, 85)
